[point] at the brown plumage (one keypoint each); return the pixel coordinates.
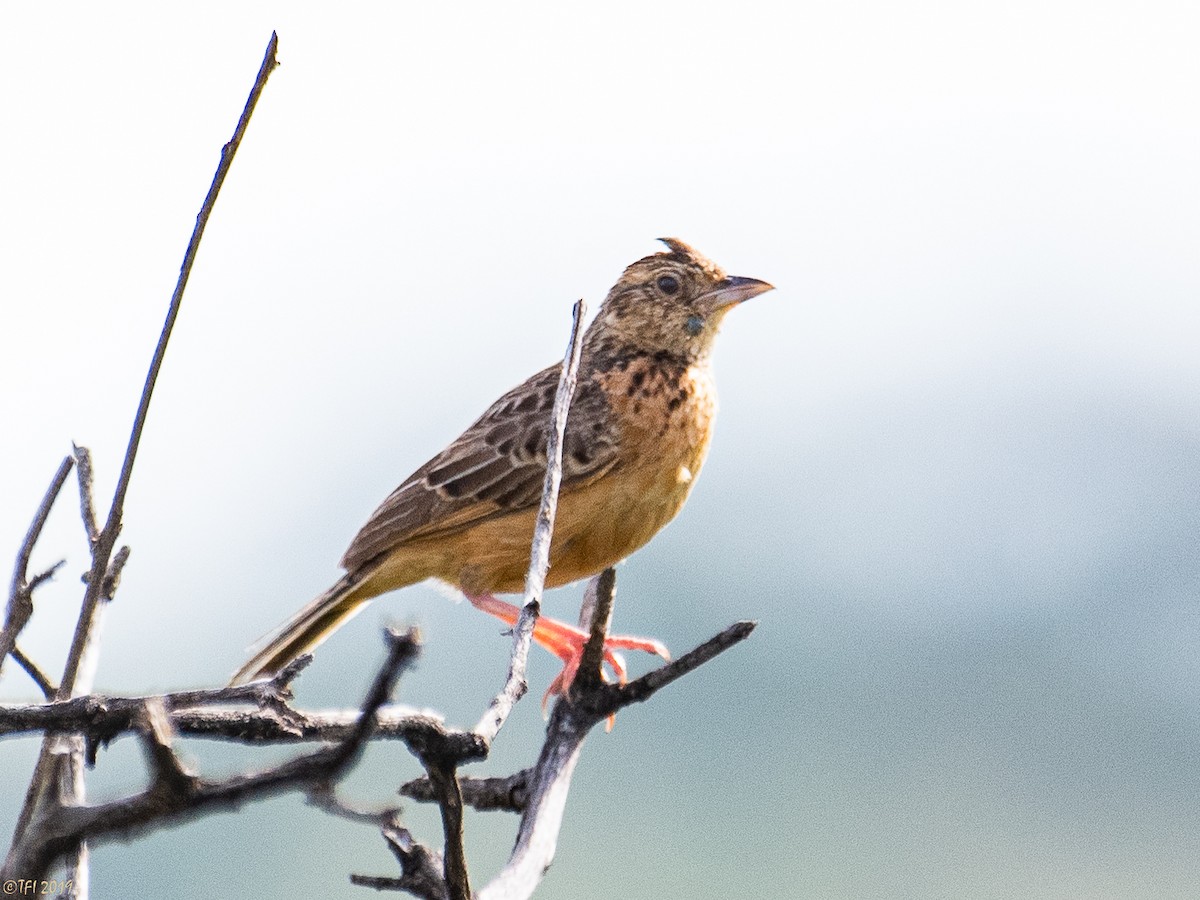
(637, 434)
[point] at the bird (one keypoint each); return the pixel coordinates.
(637, 433)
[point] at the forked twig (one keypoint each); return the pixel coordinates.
(28, 855)
(20, 595)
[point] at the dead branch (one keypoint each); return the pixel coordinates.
(175, 792)
(421, 868)
(20, 595)
(40, 678)
(102, 719)
(547, 785)
(60, 758)
(441, 761)
(509, 794)
(106, 538)
(614, 697)
(539, 562)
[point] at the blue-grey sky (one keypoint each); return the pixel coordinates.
(956, 475)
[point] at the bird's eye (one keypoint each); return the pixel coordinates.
(668, 284)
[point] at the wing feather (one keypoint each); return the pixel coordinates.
(494, 468)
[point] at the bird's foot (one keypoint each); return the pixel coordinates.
(567, 643)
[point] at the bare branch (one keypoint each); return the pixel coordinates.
(421, 868)
(105, 571)
(443, 779)
(541, 820)
(484, 794)
(416, 729)
(20, 596)
(614, 697)
(39, 677)
(157, 738)
(103, 719)
(539, 563)
(39, 521)
(87, 498)
(324, 797)
(106, 539)
(600, 595)
(550, 780)
(228, 152)
(175, 793)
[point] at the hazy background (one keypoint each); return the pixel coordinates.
(956, 477)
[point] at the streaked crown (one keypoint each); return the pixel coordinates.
(671, 303)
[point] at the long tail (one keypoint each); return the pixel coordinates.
(306, 629)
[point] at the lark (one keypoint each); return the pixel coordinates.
(637, 434)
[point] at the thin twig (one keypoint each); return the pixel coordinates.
(107, 537)
(112, 578)
(228, 152)
(40, 678)
(20, 596)
(21, 569)
(87, 499)
(421, 868)
(324, 797)
(612, 697)
(403, 648)
(539, 563)
(77, 676)
(601, 591)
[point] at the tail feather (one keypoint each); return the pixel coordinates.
(305, 630)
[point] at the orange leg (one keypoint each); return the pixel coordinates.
(566, 642)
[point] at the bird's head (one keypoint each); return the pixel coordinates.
(671, 302)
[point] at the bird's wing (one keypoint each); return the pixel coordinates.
(496, 467)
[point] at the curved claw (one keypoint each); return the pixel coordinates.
(645, 645)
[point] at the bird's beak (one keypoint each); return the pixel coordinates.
(730, 292)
